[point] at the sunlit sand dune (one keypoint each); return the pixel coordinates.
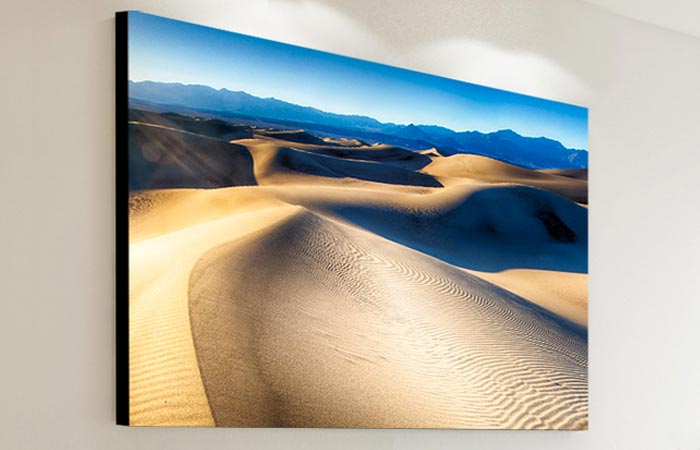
(328, 282)
(563, 293)
(165, 384)
(456, 168)
(313, 323)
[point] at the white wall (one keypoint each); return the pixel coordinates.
(57, 219)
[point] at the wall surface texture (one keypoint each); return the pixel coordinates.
(57, 197)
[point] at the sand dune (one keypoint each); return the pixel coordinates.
(284, 165)
(330, 283)
(343, 334)
(563, 293)
(580, 174)
(166, 388)
(213, 128)
(384, 154)
(456, 168)
(162, 157)
(296, 136)
(481, 228)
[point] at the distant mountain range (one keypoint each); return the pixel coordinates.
(505, 145)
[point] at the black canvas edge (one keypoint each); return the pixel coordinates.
(122, 217)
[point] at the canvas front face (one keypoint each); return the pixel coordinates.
(310, 240)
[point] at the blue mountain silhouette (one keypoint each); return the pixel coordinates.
(504, 145)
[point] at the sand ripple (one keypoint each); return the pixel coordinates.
(315, 323)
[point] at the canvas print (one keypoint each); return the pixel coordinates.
(311, 240)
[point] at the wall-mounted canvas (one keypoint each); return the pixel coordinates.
(310, 240)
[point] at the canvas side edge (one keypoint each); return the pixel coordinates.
(122, 218)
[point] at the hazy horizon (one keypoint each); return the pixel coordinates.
(361, 115)
(172, 51)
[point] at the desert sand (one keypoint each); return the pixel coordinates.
(283, 279)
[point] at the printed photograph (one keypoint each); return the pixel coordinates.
(320, 241)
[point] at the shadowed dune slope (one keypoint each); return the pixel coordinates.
(384, 154)
(313, 323)
(214, 128)
(580, 174)
(487, 229)
(279, 165)
(161, 157)
(297, 136)
(453, 169)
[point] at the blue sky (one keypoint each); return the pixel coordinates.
(167, 50)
